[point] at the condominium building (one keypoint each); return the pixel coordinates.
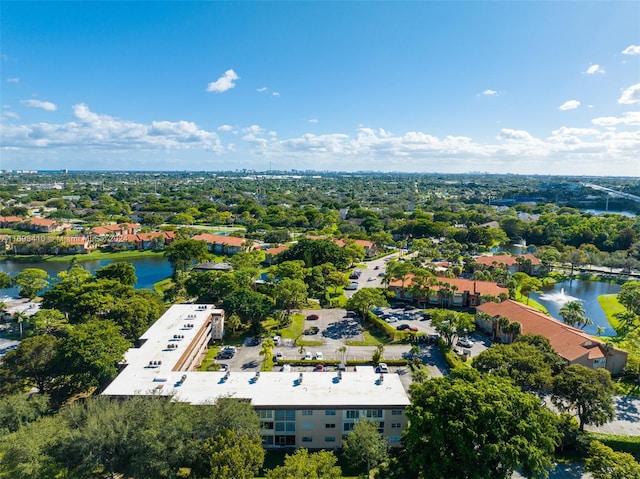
(307, 409)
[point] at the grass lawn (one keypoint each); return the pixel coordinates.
(294, 330)
(532, 303)
(374, 338)
(625, 387)
(209, 359)
(610, 305)
(309, 342)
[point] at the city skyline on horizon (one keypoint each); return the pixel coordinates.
(532, 88)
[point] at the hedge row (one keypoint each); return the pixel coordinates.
(387, 329)
(335, 362)
(618, 442)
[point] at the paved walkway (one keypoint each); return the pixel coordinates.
(627, 421)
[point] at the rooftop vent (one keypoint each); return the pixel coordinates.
(339, 375)
(381, 378)
(257, 376)
(227, 375)
(300, 378)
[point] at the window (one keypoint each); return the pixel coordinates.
(396, 425)
(307, 426)
(329, 426)
(307, 412)
(348, 426)
(330, 412)
(374, 413)
(381, 427)
(394, 438)
(285, 415)
(330, 439)
(307, 439)
(265, 414)
(266, 425)
(599, 363)
(396, 412)
(267, 440)
(353, 414)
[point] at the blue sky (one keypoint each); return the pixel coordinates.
(499, 87)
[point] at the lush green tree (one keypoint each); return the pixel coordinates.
(364, 446)
(233, 322)
(209, 286)
(336, 280)
(316, 252)
(18, 410)
(543, 345)
(92, 351)
(121, 271)
(629, 296)
(478, 427)
(290, 269)
(49, 321)
(250, 305)
(523, 363)
(5, 280)
(586, 392)
(35, 361)
(234, 456)
(304, 465)
(605, 463)
(573, 314)
(529, 285)
(31, 281)
(183, 253)
(136, 312)
(449, 324)
(366, 298)
(290, 293)
(399, 270)
(28, 453)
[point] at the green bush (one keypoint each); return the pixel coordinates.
(618, 442)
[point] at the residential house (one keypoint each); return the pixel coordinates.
(155, 240)
(41, 225)
(220, 244)
(572, 344)
(525, 263)
(10, 221)
(271, 253)
(449, 292)
(116, 229)
(75, 244)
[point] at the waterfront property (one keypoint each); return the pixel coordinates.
(572, 344)
(314, 410)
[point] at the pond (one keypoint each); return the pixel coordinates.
(149, 270)
(587, 292)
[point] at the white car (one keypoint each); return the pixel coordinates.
(382, 368)
(279, 357)
(465, 342)
(318, 356)
(307, 357)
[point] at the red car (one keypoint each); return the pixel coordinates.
(313, 317)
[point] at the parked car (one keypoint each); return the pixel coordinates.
(223, 367)
(279, 357)
(319, 356)
(312, 330)
(307, 357)
(465, 342)
(313, 317)
(352, 286)
(225, 355)
(371, 278)
(276, 340)
(382, 368)
(377, 267)
(408, 307)
(402, 327)
(319, 368)
(352, 314)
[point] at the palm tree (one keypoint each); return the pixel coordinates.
(20, 318)
(343, 351)
(267, 348)
(573, 314)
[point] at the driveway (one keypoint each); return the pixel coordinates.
(627, 421)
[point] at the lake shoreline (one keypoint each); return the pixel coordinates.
(81, 258)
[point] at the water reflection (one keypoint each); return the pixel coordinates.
(587, 292)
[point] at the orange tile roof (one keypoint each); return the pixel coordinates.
(482, 287)
(505, 259)
(570, 343)
(277, 249)
(10, 219)
(42, 222)
(220, 239)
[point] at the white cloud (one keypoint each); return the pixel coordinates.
(631, 118)
(509, 134)
(313, 120)
(43, 105)
(593, 69)
(224, 83)
(13, 80)
(225, 128)
(261, 89)
(631, 50)
(631, 95)
(569, 105)
(276, 93)
(94, 131)
(490, 93)
(10, 114)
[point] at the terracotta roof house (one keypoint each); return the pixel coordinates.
(271, 253)
(155, 239)
(42, 225)
(115, 229)
(572, 344)
(6, 221)
(511, 262)
(76, 244)
(221, 244)
(450, 292)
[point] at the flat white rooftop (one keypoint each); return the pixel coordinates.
(361, 388)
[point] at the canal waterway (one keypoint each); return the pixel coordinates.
(587, 292)
(149, 270)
